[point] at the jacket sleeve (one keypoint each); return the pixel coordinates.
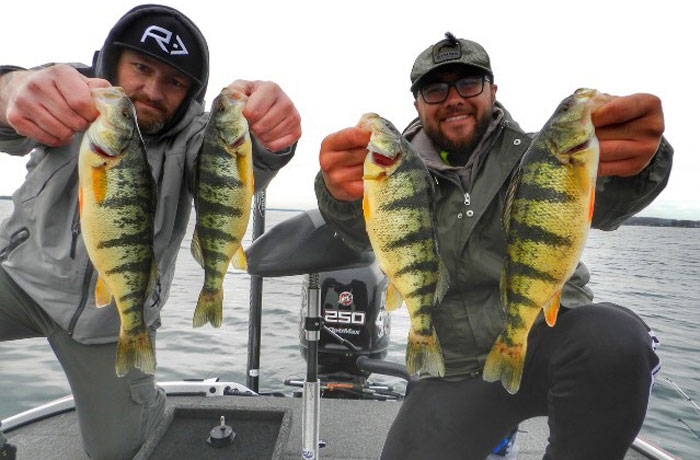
(16, 144)
(266, 164)
(344, 216)
(618, 198)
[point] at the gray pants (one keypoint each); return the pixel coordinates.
(115, 414)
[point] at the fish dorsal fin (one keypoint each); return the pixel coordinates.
(510, 197)
(552, 308)
(103, 297)
(393, 298)
(196, 249)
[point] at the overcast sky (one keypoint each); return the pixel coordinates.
(338, 60)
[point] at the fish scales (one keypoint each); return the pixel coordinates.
(399, 218)
(223, 195)
(117, 209)
(547, 216)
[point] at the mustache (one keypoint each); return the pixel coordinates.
(145, 99)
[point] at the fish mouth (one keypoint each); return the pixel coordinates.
(383, 160)
(103, 153)
(577, 148)
(238, 142)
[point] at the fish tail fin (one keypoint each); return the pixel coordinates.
(209, 308)
(423, 353)
(239, 260)
(552, 309)
(505, 363)
(135, 350)
(196, 248)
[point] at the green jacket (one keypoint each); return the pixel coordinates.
(472, 242)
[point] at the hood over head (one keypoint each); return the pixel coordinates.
(166, 34)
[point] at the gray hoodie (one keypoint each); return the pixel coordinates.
(41, 247)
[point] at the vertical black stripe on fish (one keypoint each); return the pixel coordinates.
(533, 233)
(535, 192)
(215, 180)
(144, 238)
(520, 269)
(421, 266)
(207, 207)
(427, 289)
(415, 201)
(419, 236)
(217, 152)
(139, 266)
(515, 298)
(206, 233)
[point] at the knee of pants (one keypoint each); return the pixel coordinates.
(124, 444)
(610, 342)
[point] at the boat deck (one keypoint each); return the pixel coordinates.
(351, 429)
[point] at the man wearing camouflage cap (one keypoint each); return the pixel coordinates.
(47, 282)
(591, 374)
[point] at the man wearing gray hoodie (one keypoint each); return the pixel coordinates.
(47, 281)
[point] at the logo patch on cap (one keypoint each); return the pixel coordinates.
(446, 52)
(163, 37)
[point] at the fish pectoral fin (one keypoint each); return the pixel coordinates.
(366, 207)
(196, 249)
(99, 182)
(239, 260)
(552, 308)
(393, 298)
(103, 297)
(591, 204)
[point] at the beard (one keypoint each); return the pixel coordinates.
(460, 149)
(150, 122)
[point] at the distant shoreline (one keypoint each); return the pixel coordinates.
(661, 222)
(638, 221)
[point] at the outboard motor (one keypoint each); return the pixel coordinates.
(352, 294)
(355, 321)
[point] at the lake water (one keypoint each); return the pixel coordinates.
(653, 271)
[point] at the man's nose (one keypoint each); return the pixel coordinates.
(453, 97)
(153, 89)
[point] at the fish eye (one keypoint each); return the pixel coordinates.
(221, 108)
(125, 114)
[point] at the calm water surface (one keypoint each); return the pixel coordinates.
(653, 271)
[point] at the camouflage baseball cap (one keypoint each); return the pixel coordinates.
(449, 51)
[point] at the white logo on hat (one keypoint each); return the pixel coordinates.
(162, 37)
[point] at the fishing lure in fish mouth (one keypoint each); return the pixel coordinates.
(548, 212)
(400, 222)
(117, 202)
(224, 188)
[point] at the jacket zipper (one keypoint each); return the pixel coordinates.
(83, 299)
(17, 238)
(75, 232)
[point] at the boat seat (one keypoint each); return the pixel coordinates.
(300, 245)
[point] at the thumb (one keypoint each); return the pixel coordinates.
(244, 86)
(94, 83)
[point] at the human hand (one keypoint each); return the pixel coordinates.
(342, 160)
(629, 131)
(271, 115)
(49, 105)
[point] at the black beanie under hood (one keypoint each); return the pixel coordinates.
(165, 34)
